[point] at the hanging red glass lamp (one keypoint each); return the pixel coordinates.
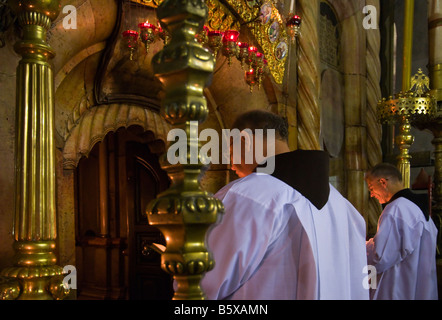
(130, 38)
(230, 47)
(243, 53)
(147, 34)
(215, 41)
(293, 25)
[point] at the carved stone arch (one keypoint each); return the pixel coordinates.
(98, 121)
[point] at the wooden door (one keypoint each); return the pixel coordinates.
(114, 260)
(145, 181)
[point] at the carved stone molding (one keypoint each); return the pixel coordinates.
(98, 121)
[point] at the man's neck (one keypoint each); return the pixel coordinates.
(281, 147)
(393, 189)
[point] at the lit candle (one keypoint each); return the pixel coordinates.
(292, 6)
(231, 35)
(145, 25)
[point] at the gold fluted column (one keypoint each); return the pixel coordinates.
(35, 227)
(184, 212)
(404, 140)
(408, 44)
(308, 108)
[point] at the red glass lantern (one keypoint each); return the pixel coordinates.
(231, 36)
(215, 41)
(252, 55)
(259, 68)
(243, 53)
(147, 33)
(251, 78)
(130, 38)
(293, 25)
(230, 47)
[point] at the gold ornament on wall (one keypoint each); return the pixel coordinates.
(271, 31)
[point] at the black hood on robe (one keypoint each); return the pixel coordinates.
(421, 200)
(306, 171)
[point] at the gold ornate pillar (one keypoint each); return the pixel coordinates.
(184, 212)
(404, 140)
(35, 227)
(308, 76)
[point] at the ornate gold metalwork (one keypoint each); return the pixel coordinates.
(35, 230)
(220, 18)
(148, 3)
(184, 212)
(414, 106)
(9, 288)
(269, 29)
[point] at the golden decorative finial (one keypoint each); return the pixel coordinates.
(420, 82)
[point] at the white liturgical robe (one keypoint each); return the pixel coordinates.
(403, 251)
(274, 244)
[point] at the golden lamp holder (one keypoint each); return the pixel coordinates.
(184, 212)
(148, 34)
(413, 107)
(243, 54)
(215, 41)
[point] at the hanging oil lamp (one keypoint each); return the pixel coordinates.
(252, 50)
(293, 25)
(230, 47)
(259, 68)
(162, 34)
(243, 53)
(147, 34)
(131, 41)
(251, 78)
(215, 41)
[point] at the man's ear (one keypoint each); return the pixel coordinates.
(383, 182)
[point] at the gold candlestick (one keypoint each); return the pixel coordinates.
(406, 108)
(184, 212)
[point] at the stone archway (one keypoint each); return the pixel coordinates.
(98, 121)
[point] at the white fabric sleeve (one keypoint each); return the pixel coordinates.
(395, 239)
(238, 245)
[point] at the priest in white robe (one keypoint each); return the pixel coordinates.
(403, 251)
(287, 234)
